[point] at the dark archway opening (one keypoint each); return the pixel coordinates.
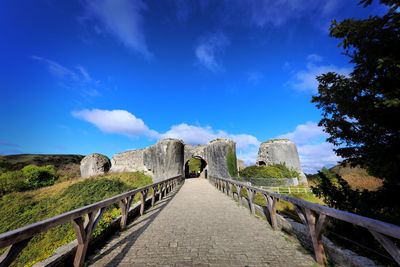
(195, 168)
(262, 163)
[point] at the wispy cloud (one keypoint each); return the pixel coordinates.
(123, 19)
(194, 135)
(305, 80)
(255, 77)
(314, 151)
(209, 48)
(116, 121)
(125, 123)
(277, 13)
(77, 79)
(8, 148)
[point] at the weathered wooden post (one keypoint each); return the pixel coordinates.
(83, 234)
(153, 198)
(143, 195)
(316, 225)
(271, 205)
(250, 198)
(239, 192)
(125, 205)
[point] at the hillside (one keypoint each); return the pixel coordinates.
(66, 165)
(357, 177)
(22, 208)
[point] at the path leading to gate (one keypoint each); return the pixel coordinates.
(200, 226)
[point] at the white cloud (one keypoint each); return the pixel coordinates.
(123, 19)
(246, 145)
(314, 151)
(209, 48)
(78, 80)
(314, 58)
(116, 121)
(305, 80)
(195, 135)
(305, 133)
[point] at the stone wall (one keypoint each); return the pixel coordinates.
(94, 164)
(161, 161)
(194, 151)
(216, 154)
(165, 159)
(129, 161)
(281, 151)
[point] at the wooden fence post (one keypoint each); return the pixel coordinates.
(153, 198)
(83, 233)
(250, 198)
(271, 205)
(388, 244)
(143, 195)
(125, 205)
(316, 225)
(12, 252)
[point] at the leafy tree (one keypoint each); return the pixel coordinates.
(361, 112)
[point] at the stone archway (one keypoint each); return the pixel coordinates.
(196, 167)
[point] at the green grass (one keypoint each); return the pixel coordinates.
(271, 171)
(19, 209)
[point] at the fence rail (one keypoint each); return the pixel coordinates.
(19, 238)
(287, 190)
(314, 216)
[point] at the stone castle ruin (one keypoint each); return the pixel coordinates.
(169, 157)
(277, 151)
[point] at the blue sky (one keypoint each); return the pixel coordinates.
(105, 76)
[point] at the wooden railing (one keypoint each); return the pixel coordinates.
(314, 216)
(19, 238)
(287, 190)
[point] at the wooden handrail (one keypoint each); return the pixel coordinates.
(315, 217)
(19, 237)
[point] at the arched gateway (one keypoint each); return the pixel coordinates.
(196, 167)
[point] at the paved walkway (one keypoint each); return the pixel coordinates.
(200, 226)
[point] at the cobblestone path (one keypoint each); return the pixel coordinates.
(200, 226)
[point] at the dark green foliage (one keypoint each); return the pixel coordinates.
(231, 163)
(337, 193)
(12, 181)
(271, 171)
(37, 177)
(92, 190)
(360, 111)
(194, 165)
(30, 177)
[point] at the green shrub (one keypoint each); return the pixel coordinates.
(37, 177)
(12, 181)
(271, 171)
(231, 163)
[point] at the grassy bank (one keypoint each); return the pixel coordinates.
(19, 209)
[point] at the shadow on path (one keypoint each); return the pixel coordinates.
(132, 232)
